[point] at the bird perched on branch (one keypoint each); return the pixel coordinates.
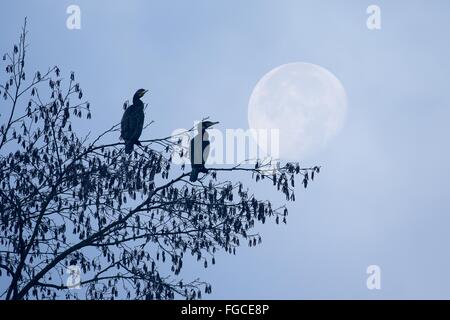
(133, 122)
(199, 149)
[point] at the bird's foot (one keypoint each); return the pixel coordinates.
(204, 170)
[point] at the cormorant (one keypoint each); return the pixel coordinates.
(199, 149)
(133, 122)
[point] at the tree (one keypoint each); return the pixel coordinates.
(71, 201)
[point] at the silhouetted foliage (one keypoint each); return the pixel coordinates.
(67, 200)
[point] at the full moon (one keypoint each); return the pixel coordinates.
(305, 102)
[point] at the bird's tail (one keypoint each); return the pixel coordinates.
(129, 147)
(194, 174)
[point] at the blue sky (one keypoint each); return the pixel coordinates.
(382, 197)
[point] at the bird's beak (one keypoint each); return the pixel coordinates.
(213, 123)
(145, 91)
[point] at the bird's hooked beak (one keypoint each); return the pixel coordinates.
(210, 124)
(143, 92)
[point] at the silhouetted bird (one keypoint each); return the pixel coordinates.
(199, 149)
(133, 122)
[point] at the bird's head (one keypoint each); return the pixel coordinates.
(202, 126)
(139, 94)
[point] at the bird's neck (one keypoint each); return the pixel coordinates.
(137, 102)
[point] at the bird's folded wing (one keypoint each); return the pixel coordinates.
(128, 124)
